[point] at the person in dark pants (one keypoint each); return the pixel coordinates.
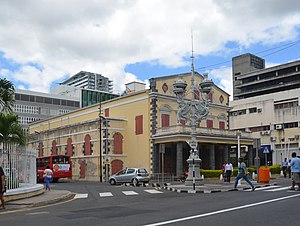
(284, 167)
(2, 187)
(228, 171)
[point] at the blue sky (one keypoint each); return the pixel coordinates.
(43, 43)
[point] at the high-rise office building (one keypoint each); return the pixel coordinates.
(251, 78)
(88, 80)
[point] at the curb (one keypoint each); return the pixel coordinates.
(67, 196)
(207, 191)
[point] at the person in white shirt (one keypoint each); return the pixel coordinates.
(48, 177)
(228, 171)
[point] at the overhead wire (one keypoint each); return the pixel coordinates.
(285, 46)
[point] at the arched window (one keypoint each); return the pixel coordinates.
(87, 145)
(41, 149)
(118, 141)
(165, 115)
(54, 148)
(69, 147)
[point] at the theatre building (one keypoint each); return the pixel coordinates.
(139, 129)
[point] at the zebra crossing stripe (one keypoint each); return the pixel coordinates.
(81, 196)
(129, 193)
(105, 194)
(264, 188)
(153, 191)
(279, 189)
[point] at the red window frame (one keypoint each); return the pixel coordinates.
(139, 124)
(165, 120)
(222, 125)
(209, 123)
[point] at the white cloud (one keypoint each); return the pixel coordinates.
(65, 37)
(224, 76)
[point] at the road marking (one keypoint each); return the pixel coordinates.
(279, 189)
(263, 188)
(37, 213)
(129, 193)
(81, 196)
(153, 191)
(222, 211)
(105, 194)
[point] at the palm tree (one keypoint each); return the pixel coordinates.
(11, 134)
(10, 130)
(7, 91)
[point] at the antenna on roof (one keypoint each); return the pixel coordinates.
(192, 57)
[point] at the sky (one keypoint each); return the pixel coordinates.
(45, 42)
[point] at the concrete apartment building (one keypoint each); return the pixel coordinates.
(266, 103)
(89, 80)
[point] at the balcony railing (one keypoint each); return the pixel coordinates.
(179, 129)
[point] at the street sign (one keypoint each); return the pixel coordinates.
(266, 149)
(256, 143)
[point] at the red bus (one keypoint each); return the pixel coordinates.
(59, 164)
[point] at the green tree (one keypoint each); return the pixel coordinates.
(10, 130)
(7, 91)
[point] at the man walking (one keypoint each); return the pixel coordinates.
(295, 169)
(242, 173)
(228, 170)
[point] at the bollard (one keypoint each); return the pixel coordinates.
(281, 173)
(221, 177)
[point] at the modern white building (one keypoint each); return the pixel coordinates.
(86, 97)
(32, 106)
(89, 80)
(266, 103)
(275, 118)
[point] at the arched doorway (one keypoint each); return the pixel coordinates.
(116, 166)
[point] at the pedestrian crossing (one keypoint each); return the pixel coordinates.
(110, 194)
(272, 188)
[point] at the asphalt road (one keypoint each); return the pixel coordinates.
(102, 204)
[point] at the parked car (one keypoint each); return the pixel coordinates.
(130, 175)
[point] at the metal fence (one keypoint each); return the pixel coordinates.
(19, 165)
(163, 177)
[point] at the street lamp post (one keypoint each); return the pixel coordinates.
(193, 110)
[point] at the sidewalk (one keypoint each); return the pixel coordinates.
(214, 186)
(46, 198)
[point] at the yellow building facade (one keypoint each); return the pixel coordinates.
(138, 130)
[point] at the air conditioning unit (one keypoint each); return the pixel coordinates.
(273, 139)
(268, 132)
(259, 110)
(262, 133)
(278, 127)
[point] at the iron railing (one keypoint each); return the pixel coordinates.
(19, 165)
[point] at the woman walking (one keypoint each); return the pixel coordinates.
(242, 173)
(48, 177)
(2, 187)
